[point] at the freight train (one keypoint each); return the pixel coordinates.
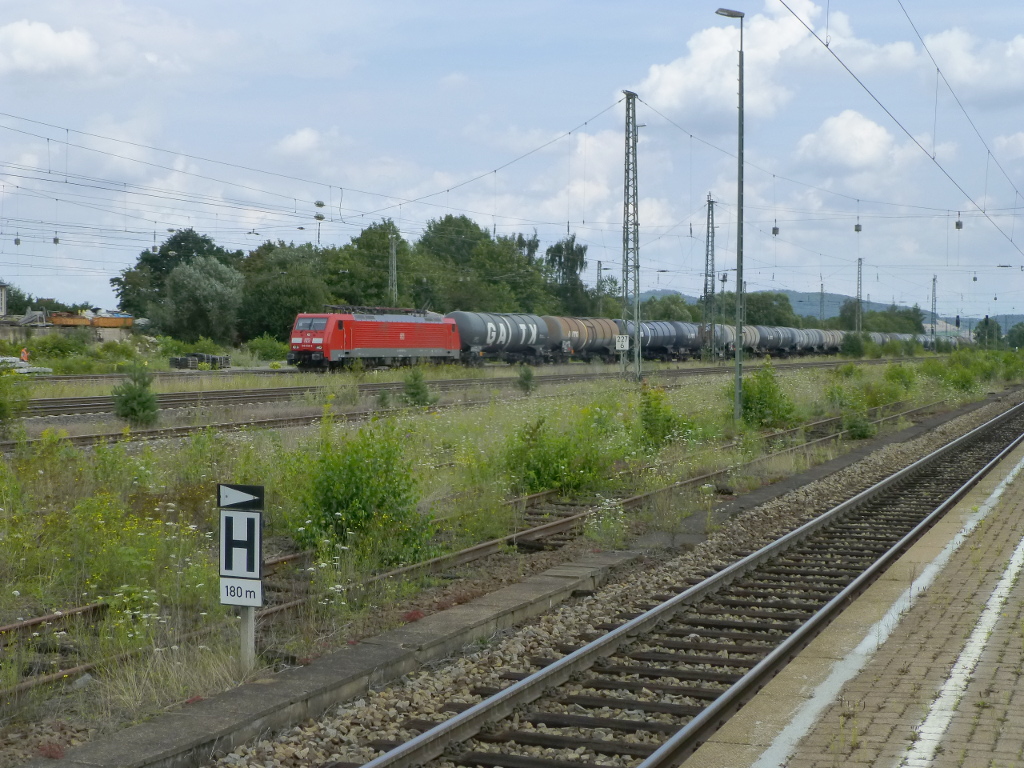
(382, 336)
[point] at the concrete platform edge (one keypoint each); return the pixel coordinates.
(195, 733)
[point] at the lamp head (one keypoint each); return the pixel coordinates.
(730, 14)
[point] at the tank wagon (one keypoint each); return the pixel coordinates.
(381, 336)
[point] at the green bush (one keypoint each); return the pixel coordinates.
(58, 345)
(857, 425)
(902, 375)
(540, 456)
(134, 401)
(764, 402)
(362, 494)
(266, 347)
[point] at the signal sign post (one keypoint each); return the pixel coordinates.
(241, 557)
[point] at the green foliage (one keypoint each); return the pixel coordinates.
(852, 346)
(668, 307)
(903, 375)
(659, 424)
(13, 401)
(525, 381)
(266, 347)
(569, 457)
(134, 401)
(201, 298)
(764, 402)
(362, 494)
(857, 425)
(608, 525)
(415, 390)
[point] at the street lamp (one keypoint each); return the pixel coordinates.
(737, 411)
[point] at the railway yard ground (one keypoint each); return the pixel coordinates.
(498, 620)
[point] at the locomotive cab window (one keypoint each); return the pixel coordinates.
(311, 324)
(341, 324)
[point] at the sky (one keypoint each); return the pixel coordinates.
(121, 121)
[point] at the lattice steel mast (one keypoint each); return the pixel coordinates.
(631, 237)
(707, 328)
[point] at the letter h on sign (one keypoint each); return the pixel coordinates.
(241, 550)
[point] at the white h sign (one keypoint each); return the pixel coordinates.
(241, 544)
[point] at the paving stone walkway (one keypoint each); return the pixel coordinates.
(878, 719)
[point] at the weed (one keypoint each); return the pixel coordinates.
(607, 525)
(764, 402)
(658, 423)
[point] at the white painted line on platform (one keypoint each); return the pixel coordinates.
(848, 667)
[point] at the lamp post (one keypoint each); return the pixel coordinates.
(737, 412)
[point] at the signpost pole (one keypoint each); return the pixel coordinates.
(248, 652)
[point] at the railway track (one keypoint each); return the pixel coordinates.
(546, 522)
(652, 685)
(101, 404)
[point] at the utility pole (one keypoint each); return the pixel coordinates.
(821, 304)
(859, 317)
(707, 327)
(393, 271)
(600, 294)
(934, 314)
(631, 237)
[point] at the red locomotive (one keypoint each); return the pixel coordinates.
(377, 336)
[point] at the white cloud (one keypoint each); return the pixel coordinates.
(303, 142)
(973, 67)
(36, 47)
(706, 77)
(1010, 147)
(848, 140)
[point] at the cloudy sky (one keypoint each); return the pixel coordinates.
(122, 120)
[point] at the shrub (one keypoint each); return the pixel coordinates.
(362, 494)
(902, 375)
(569, 458)
(266, 347)
(857, 425)
(416, 391)
(134, 401)
(526, 381)
(764, 402)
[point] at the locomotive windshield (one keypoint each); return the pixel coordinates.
(311, 324)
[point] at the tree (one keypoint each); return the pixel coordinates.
(140, 287)
(987, 333)
(280, 282)
(452, 239)
(134, 401)
(565, 261)
(1015, 336)
(668, 307)
(202, 298)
